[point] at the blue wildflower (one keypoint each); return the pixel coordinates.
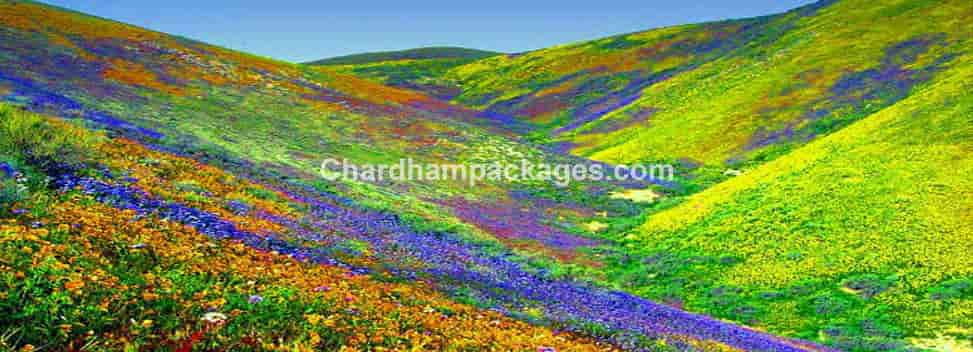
(238, 207)
(255, 299)
(6, 170)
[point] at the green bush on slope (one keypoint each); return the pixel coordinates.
(42, 142)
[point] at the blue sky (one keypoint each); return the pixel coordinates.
(303, 30)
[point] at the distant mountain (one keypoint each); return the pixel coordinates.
(413, 69)
(427, 53)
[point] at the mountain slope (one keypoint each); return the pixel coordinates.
(268, 117)
(725, 94)
(846, 225)
(893, 46)
(203, 141)
(860, 236)
(108, 245)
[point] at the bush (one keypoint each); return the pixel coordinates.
(952, 289)
(869, 285)
(11, 192)
(44, 143)
(13, 188)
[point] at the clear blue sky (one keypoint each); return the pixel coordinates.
(303, 30)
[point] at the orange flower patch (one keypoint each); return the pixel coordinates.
(368, 312)
(134, 74)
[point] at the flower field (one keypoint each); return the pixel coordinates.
(160, 193)
(213, 264)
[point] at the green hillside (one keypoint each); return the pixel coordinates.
(850, 124)
(160, 193)
(858, 238)
(724, 94)
(278, 121)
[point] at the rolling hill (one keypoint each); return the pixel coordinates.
(862, 232)
(841, 227)
(162, 193)
(720, 95)
(153, 179)
(427, 53)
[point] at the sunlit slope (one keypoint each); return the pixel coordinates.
(850, 60)
(858, 239)
(256, 115)
(726, 93)
(109, 245)
(60, 60)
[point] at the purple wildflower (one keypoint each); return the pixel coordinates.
(254, 299)
(6, 170)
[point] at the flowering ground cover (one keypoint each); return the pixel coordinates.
(853, 240)
(98, 266)
(728, 94)
(367, 243)
(137, 247)
(863, 233)
(158, 193)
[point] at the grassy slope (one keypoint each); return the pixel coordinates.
(78, 272)
(794, 88)
(235, 106)
(732, 93)
(857, 239)
(239, 118)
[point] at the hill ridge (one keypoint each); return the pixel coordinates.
(421, 53)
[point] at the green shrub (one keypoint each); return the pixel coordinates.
(952, 289)
(13, 185)
(42, 142)
(11, 192)
(263, 194)
(189, 186)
